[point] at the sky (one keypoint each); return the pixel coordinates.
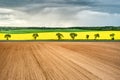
(59, 13)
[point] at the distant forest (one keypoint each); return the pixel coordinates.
(105, 28)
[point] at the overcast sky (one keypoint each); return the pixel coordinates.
(59, 13)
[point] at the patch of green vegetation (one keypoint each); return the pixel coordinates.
(23, 31)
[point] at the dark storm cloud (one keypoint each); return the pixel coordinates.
(18, 3)
(80, 2)
(111, 6)
(101, 5)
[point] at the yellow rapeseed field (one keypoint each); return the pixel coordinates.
(52, 35)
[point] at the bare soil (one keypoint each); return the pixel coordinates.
(59, 60)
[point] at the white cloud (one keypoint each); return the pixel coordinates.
(95, 18)
(10, 17)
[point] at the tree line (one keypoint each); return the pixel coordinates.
(73, 35)
(104, 28)
(60, 36)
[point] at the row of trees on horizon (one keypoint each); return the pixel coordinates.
(84, 28)
(60, 36)
(73, 35)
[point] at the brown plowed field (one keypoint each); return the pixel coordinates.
(59, 61)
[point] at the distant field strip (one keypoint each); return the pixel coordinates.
(52, 35)
(24, 31)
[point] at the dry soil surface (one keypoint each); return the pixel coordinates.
(59, 60)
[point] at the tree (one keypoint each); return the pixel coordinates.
(59, 35)
(96, 36)
(73, 35)
(35, 35)
(87, 36)
(112, 36)
(7, 36)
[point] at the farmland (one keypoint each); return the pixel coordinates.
(59, 60)
(50, 34)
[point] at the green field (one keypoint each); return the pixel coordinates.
(23, 31)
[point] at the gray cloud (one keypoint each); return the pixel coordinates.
(59, 12)
(16, 3)
(111, 6)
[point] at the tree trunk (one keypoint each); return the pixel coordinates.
(35, 38)
(113, 38)
(73, 38)
(7, 38)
